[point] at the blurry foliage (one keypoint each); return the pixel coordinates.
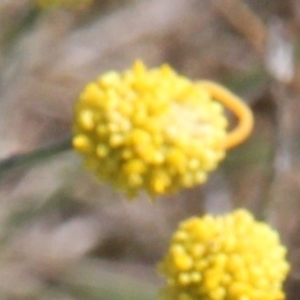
(65, 236)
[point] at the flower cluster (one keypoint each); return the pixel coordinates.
(149, 129)
(227, 257)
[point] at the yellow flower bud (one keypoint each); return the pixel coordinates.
(151, 129)
(62, 3)
(200, 265)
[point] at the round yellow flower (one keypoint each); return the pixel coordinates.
(150, 129)
(62, 3)
(230, 257)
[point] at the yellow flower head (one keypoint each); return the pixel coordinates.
(63, 3)
(230, 257)
(149, 129)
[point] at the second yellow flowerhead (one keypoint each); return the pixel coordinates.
(228, 257)
(149, 129)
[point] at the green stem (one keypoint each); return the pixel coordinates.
(23, 160)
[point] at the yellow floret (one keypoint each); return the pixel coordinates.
(170, 125)
(200, 264)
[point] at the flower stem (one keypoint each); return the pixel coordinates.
(35, 156)
(238, 107)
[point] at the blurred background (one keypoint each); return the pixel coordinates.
(65, 236)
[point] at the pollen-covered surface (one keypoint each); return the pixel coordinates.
(231, 257)
(149, 129)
